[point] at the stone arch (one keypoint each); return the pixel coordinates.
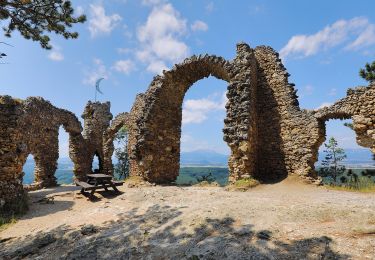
(40, 124)
(157, 128)
(109, 135)
(358, 105)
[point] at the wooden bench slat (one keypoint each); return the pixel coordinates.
(85, 185)
(118, 183)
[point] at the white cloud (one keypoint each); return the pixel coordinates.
(100, 23)
(160, 38)
(197, 110)
(55, 54)
(325, 104)
(199, 26)
(124, 66)
(366, 38)
(79, 10)
(156, 66)
(99, 71)
(340, 32)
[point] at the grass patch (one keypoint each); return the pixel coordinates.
(362, 184)
(12, 210)
(5, 222)
(243, 184)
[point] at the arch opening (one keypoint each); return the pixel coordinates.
(352, 163)
(96, 163)
(204, 154)
(120, 157)
(64, 173)
(28, 170)
(155, 148)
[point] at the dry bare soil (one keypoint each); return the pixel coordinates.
(288, 220)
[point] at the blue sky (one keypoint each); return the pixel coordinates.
(323, 45)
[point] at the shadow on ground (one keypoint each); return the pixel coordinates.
(158, 233)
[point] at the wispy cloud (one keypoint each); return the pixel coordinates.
(210, 7)
(99, 70)
(325, 104)
(152, 2)
(124, 66)
(306, 91)
(100, 23)
(354, 34)
(199, 26)
(196, 111)
(56, 54)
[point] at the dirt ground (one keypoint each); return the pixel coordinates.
(288, 220)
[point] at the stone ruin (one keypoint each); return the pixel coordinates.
(270, 137)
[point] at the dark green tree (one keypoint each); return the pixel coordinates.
(208, 178)
(332, 163)
(368, 73)
(35, 18)
(121, 153)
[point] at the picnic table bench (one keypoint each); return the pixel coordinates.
(98, 181)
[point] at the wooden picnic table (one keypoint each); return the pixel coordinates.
(98, 181)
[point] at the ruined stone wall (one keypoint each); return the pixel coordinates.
(83, 148)
(270, 137)
(11, 189)
(31, 126)
(240, 130)
(287, 133)
(358, 105)
(156, 129)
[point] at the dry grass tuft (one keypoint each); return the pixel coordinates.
(243, 184)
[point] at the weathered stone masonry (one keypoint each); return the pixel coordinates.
(32, 127)
(270, 137)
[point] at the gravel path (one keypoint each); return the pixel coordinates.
(287, 220)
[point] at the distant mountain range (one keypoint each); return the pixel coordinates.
(204, 157)
(212, 158)
(354, 157)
